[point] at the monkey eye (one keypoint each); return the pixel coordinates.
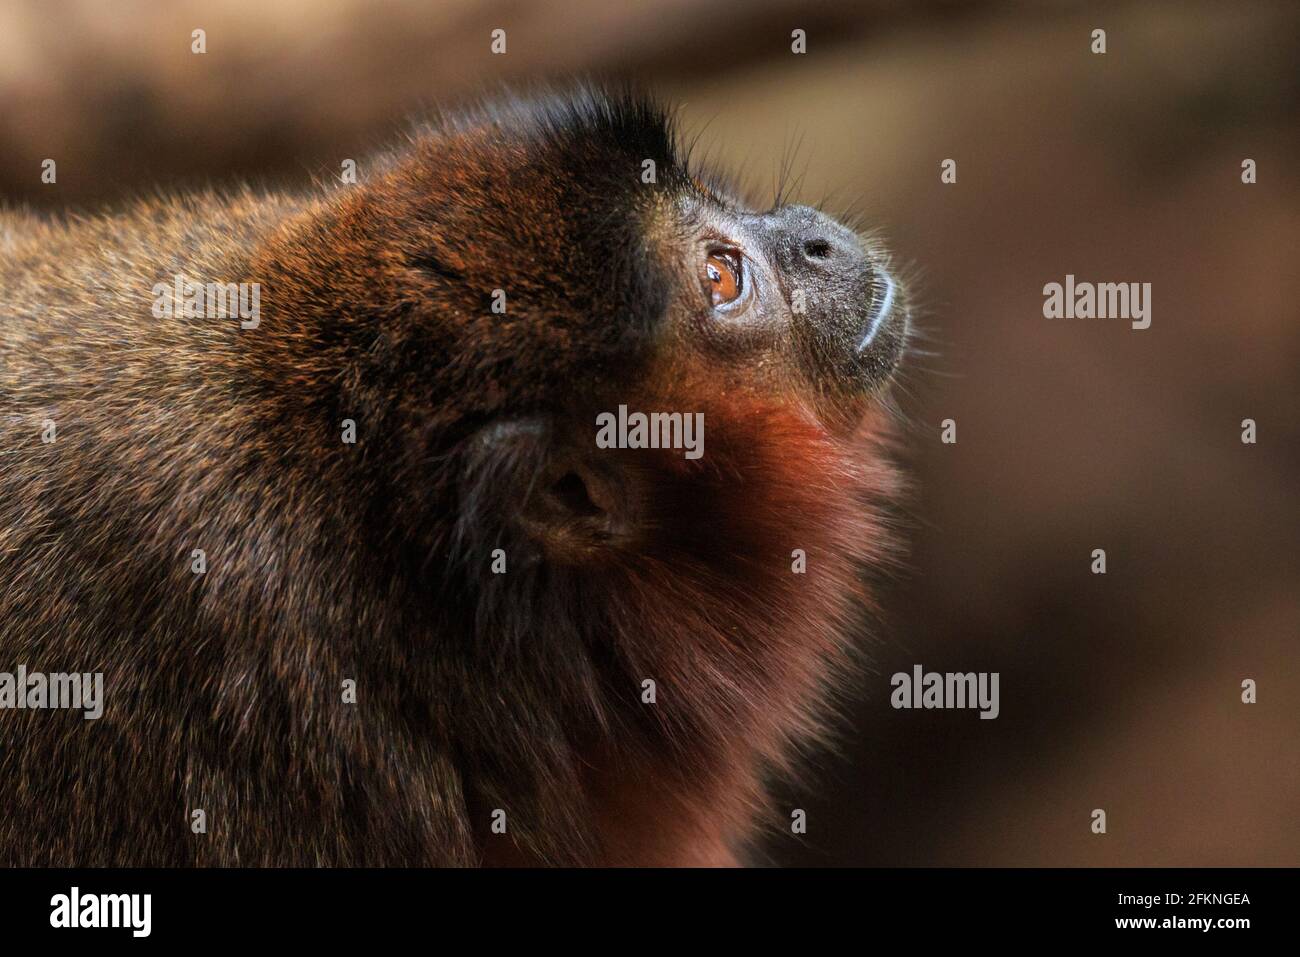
(723, 277)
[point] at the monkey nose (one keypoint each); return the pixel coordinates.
(848, 312)
(815, 242)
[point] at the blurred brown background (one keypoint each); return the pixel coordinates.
(1119, 691)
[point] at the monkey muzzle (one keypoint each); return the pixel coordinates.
(848, 311)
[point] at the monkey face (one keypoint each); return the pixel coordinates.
(789, 297)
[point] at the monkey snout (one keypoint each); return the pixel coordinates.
(808, 240)
(848, 310)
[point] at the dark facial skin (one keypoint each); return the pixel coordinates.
(792, 297)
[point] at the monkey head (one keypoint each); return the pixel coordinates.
(644, 617)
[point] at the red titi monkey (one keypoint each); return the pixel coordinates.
(363, 587)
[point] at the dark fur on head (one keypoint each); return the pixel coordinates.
(327, 561)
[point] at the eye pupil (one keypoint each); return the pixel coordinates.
(723, 275)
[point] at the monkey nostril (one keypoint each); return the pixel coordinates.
(816, 249)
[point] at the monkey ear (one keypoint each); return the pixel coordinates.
(571, 502)
(578, 509)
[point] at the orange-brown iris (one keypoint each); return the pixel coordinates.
(723, 276)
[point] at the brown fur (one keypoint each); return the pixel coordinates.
(371, 561)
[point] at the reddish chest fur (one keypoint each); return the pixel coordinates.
(743, 648)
